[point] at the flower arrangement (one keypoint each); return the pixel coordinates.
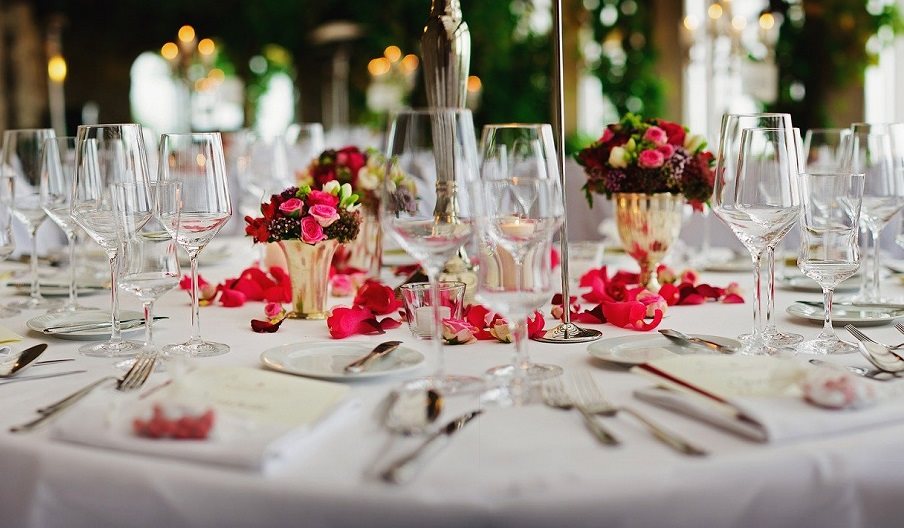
(648, 156)
(310, 215)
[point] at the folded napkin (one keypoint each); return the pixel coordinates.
(759, 398)
(8, 336)
(261, 417)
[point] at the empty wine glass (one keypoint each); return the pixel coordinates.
(824, 148)
(872, 153)
(829, 252)
(760, 203)
(726, 164)
(21, 161)
(267, 171)
(7, 241)
(57, 175)
(150, 265)
(304, 142)
(106, 154)
(436, 150)
(201, 207)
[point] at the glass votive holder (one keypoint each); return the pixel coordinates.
(583, 256)
(418, 300)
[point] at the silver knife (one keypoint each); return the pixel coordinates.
(406, 467)
(359, 365)
(40, 376)
(675, 335)
(125, 324)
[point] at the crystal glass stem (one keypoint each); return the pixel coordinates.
(195, 304)
(756, 336)
(115, 330)
(828, 332)
(437, 337)
(148, 309)
(875, 294)
(33, 262)
(72, 240)
(769, 324)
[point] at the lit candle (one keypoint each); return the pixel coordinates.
(423, 318)
(518, 228)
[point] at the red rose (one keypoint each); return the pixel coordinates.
(352, 158)
(377, 298)
(675, 132)
(322, 198)
(258, 228)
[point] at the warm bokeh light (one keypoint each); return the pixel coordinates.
(714, 11)
(393, 53)
(767, 21)
(56, 68)
(739, 22)
(206, 47)
(378, 66)
(169, 51)
(217, 75)
(474, 84)
(186, 33)
(691, 23)
(410, 63)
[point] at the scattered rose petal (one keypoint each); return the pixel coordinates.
(458, 332)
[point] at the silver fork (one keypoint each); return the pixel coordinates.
(898, 363)
(133, 379)
(554, 395)
(590, 395)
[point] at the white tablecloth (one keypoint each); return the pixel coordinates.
(519, 467)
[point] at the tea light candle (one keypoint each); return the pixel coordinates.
(423, 318)
(517, 227)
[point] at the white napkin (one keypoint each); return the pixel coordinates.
(261, 417)
(761, 398)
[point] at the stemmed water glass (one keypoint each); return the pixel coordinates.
(7, 241)
(21, 162)
(829, 252)
(824, 148)
(518, 200)
(150, 266)
(726, 166)
(57, 175)
(760, 203)
(193, 219)
(304, 142)
(266, 172)
(106, 154)
(436, 149)
(872, 153)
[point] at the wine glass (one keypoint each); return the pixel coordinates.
(760, 203)
(106, 154)
(201, 207)
(7, 241)
(519, 185)
(429, 219)
(304, 142)
(57, 175)
(824, 148)
(872, 153)
(829, 252)
(266, 172)
(21, 162)
(726, 164)
(150, 267)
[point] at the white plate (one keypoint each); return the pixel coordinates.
(214, 253)
(802, 283)
(39, 323)
(636, 350)
(844, 314)
(735, 265)
(327, 360)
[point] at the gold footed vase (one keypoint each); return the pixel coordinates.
(309, 268)
(365, 252)
(647, 225)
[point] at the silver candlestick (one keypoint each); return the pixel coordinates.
(566, 332)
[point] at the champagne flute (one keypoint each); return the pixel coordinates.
(726, 164)
(106, 154)
(829, 252)
(57, 175)
(150, 266)
(430, 219)
(21, 161)
(760, 203)
(7, 241)
(519, 185)
(201, 207)
(872, 153)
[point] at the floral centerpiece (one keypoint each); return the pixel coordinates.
(650, 167)
(308, 224)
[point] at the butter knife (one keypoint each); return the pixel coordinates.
(360, 365)
(406, 467)
(125, 324)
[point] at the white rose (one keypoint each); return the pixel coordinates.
(331, 187)
(694, 142)
(368, 179)
(618, 158)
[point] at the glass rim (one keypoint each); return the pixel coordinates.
(30, 130)
(433, 110)
(759, 114)
(416, 286)
(832, 173)
(537, 126)
(189, 134)
(111, 125)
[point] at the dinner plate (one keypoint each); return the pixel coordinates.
(639, 349)
(39, 323)
(734, 265)
(802, 283)
(848, 314)
(327, 360)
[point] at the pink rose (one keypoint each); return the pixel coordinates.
(273, 309)
(653, 302)
(656, 135)
(311, 231)
(650, 159)
(666, 150)
(607, 135)
(342, 285)
(291, 207)
(324, 214)
(322, 198)
(458, 332)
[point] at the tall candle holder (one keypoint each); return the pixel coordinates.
(566, 332)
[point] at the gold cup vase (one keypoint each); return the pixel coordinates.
(647, 225)
(309, 268)
(365, 252)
